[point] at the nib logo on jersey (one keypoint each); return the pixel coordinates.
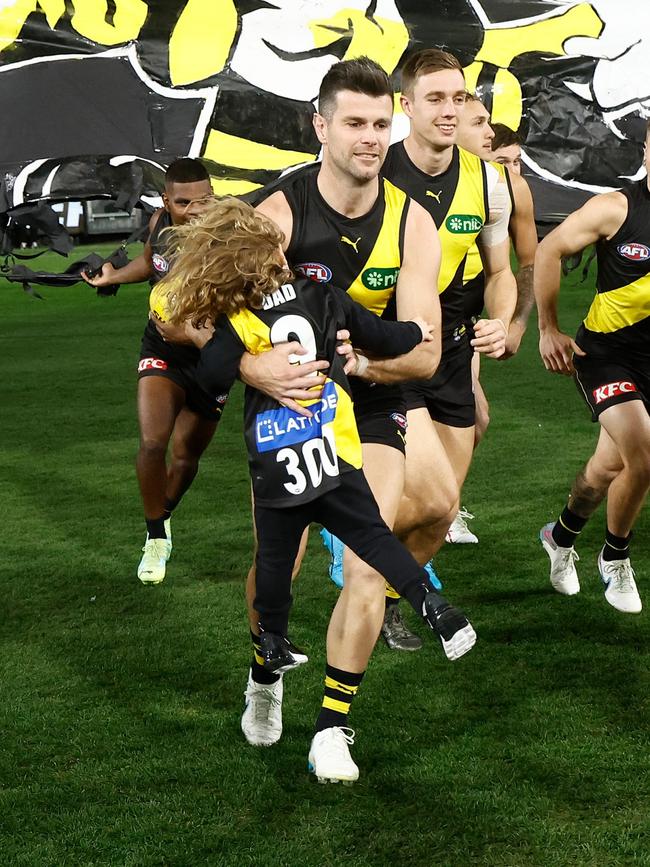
(314, 271)
(277, 428)
(464, 224)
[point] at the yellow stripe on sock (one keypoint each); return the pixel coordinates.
(345, 688)
(391, 593)
(258, 658)
(338, 706)
(575, 532)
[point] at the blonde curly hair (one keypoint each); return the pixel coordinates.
(228, 259)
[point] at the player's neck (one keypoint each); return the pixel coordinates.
(347, 196)
(429, 159)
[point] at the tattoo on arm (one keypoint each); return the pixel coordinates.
(525, 294)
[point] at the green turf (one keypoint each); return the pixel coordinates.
(120, 704)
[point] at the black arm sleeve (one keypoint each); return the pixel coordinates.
(379, 336)
(219, 363)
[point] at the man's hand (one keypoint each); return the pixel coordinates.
(513, 340)
(557, 350)
(490, 337)
(273, 373)
(106, 277)
(346, 349)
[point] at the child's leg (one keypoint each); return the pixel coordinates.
(278, 538)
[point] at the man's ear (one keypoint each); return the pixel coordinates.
(320, 127)
(405, 102)
(165, 200)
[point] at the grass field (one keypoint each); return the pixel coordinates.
(120, 704)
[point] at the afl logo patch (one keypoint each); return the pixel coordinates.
(315, 271)
(400, 420)
(635, 252)
(160, 263)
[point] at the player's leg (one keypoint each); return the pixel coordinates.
(160, 400)
(628, 425)
(352, 513)
(191, 436)
(428, 504)
(458, 443)
(588, 490)
(482, 404)
(459, 532)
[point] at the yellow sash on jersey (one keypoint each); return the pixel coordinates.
(618, 308)
(465, 217)
(375, 284)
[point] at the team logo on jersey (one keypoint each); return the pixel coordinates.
(380, 278)
(433, 195)
(314, 271)
(278, 428)
(160, 263)
(353, 244)
(635, 252)
(399, 419)
(464, 224)
(612, 389)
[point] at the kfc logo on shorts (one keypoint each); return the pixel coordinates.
(315, 271)
(613, 389)
(634, 252)
(151, 364)
(400, 420)
(160, 263)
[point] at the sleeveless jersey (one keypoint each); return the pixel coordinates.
(457, 199)
(180, 354)
(618, 321)
(294, 459)
(361, 255)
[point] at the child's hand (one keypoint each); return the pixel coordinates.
(425, 328)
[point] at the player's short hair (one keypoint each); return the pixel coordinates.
(504, 136)
(226, 260)
(186, 171)
(425, 62)
(361, 75)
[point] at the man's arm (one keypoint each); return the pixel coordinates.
(500, 286)
(417, 297)
(277, 208)
(523, 232)
(599, 218)
(137, 271)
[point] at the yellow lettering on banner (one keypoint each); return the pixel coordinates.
(89, 20)
(547, 36)
(12, 18)
(381, 39)
(231, 150)
(201, 41)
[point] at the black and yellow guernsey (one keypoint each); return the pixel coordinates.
(457, 199)
(178, 353)
(617, 325)
(361, 255)
(294, 459)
